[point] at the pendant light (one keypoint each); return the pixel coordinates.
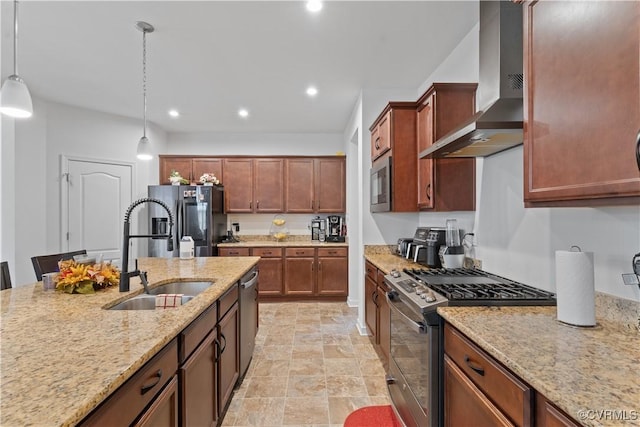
(144, 146)
(15, 100)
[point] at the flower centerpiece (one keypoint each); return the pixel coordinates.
(209, 179)
(77, 278)
(176, 178)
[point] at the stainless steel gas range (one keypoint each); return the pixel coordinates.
(415, 380)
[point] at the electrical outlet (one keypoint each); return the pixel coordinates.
(237, 226)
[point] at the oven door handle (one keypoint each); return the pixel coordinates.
(415, 326)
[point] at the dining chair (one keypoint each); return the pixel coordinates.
(5, 278)
(49, 263)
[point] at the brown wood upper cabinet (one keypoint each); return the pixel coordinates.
(581, 128)
(315, 185)
(395, 133)
(254, 185)
(190, 168)
(444, 184)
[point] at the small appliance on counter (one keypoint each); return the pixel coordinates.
(318, 227)
(404, 246)
(336, 231)
(452, 253)
(435, 240)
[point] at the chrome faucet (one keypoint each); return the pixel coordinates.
(125, 275)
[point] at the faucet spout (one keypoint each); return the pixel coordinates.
(125, 274)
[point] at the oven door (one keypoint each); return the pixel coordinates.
(414, 375)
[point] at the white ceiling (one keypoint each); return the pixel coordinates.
(209, 58)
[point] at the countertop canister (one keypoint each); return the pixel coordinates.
(575, 287)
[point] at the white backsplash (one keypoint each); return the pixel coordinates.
(259, 224)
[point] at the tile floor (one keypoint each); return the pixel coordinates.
(311, 367)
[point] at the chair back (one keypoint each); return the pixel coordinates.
(49, 263)
(5, 278)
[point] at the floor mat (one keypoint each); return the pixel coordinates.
(372, 416)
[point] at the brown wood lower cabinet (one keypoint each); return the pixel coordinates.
(295, 273)
(228, 356)
(127, 404)
(377, 311)
(479, 391)
(163, 412)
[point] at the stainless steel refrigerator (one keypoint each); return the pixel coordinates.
(198, 211)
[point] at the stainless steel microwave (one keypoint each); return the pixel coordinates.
(380, 194)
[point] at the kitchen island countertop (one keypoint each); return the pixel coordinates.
(62, 354)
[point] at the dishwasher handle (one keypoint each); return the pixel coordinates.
(251, 282)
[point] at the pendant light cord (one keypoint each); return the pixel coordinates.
(144, 80)
(15, 37)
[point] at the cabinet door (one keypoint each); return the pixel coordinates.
(370, 307)
(238, 190)
(202, 166)
(580, 128)
(299, 185)
(465, 404)
(268, 189)
(163, 412)
(229, 358)
(330, 180)
(179, 164)
(226, 251)
(333, 275)
(299, 275)
(198, 385)
(384, 323)
(381, 137)
(271, 283)
(425, 166)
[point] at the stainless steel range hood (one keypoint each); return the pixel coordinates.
(498, 125)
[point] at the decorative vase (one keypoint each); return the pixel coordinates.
(209, 184)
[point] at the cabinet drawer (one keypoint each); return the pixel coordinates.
(507, 392)
(126, 403)
(227, 300)
(193, 334)
(371, 271)
(267, 252)
(233, 251)
(332, 252)
(301, 252)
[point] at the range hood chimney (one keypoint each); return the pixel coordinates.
(497, 126)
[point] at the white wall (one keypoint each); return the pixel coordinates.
(520, 243)
(255, 144)
(53, 131)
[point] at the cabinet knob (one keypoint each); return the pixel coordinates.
(257, 204)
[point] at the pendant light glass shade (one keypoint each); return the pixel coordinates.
(144, 149)
(15, 99)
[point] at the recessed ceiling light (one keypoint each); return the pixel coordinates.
(314, 5)
(243, 113)
(174, 113)
(312, 91)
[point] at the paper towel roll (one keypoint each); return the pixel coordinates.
(575, 288)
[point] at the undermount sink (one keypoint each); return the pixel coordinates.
(144, 302)
(186, 288)
(148, 301)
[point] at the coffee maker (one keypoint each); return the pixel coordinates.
(318, 228)
(335, 229)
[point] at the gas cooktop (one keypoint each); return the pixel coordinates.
(429, 288)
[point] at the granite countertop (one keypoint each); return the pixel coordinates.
(581, 370)
(62, 354)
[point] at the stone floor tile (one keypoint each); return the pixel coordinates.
(271, 368)
(307, 367)
(300, 411)
(341, 366)
(307, 386)
(266, 387)
(341, 407)
(261, 412)
(308, 351)
(338, 351)
(277, 352)
(346, 386)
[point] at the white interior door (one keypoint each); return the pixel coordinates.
(98, 196)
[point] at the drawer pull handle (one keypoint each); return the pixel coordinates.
(224, 345)
(476, 368)
(146, 388)
(267, 252)
(218, 352)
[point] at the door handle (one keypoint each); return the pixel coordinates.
(145, 388)
(428, 191)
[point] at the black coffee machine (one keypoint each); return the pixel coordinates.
(335, 229)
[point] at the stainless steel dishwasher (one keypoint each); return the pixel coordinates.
(248, 318)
